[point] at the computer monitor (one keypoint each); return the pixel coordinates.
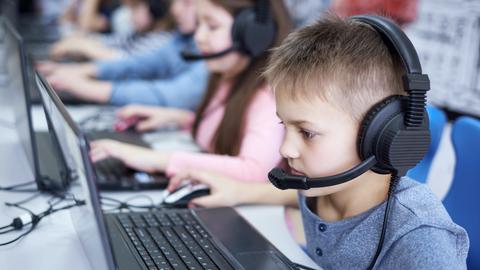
(16, 87)
(17, 99)
(9, 9)
(87, 219)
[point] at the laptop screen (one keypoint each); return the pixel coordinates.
(15, 89)
(87, 219)
(9, 9)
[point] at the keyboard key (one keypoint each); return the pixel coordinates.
(163, 219)
(175, 219)
(212, 251)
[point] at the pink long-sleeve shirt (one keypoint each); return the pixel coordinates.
(259, 151)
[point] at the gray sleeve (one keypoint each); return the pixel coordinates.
(425, 248)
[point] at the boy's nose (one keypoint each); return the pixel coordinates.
(288, 148)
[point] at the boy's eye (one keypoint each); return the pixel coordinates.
(307, 134)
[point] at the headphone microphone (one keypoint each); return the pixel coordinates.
(188, 55)
(283, 180)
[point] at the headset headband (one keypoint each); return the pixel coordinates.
(415, 83)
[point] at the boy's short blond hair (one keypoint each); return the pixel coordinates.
(342, 62)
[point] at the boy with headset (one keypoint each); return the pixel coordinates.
(351, 96)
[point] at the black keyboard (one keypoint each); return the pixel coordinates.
(111, 170)
(112, 174)
(172, 239)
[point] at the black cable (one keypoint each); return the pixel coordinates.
(14, 187)
(20, 236)
(391, 190)
(18, 224)
(28, 199)
(120, 205)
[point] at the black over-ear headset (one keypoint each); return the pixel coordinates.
(253, 32)
(394, 135)
(158, 8)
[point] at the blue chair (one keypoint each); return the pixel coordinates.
(437, 120)
(463, 199)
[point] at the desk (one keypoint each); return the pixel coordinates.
(54, 244)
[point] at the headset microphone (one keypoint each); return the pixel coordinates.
(283, 180)
(193, 56)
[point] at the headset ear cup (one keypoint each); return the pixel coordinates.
(239, 28)
(158, 8)
(260, 37)
(373, 123)
(252, 37)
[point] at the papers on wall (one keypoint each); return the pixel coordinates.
(446, 35)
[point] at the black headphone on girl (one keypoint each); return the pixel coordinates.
(158, 8)
(394, 135)
(253, 32)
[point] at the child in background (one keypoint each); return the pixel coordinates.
(235, 124)
(150, 21)
(161, 77)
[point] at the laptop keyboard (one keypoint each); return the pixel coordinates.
(111, 170)
(173, 239)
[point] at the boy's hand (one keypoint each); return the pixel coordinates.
(224, 191)
(151, 117)
(135, 157)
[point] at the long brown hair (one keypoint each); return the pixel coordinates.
(228, 136)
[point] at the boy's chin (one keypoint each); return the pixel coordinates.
(315, 192)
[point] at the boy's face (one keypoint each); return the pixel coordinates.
(320, 139)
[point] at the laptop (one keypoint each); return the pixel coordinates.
(217, 238)
(9, 9)
(43, 151)
(50, 172)
(112, 174)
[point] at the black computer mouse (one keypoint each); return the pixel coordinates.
(181, 196)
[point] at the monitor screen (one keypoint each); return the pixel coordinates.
(9, 9)
(87, 219)
(16, 92)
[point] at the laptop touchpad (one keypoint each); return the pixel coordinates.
(264, 260)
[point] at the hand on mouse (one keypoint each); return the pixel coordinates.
(224, 191)
(152, 117)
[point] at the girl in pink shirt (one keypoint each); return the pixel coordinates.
(236, 125)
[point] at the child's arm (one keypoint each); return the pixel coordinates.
(230, 192)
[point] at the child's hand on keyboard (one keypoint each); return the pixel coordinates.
(132, 156)
(153, 117)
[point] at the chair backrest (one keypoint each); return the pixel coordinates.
(437, 120)
(463, 198)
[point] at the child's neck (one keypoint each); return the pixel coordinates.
(359, 195)
(241, 65)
